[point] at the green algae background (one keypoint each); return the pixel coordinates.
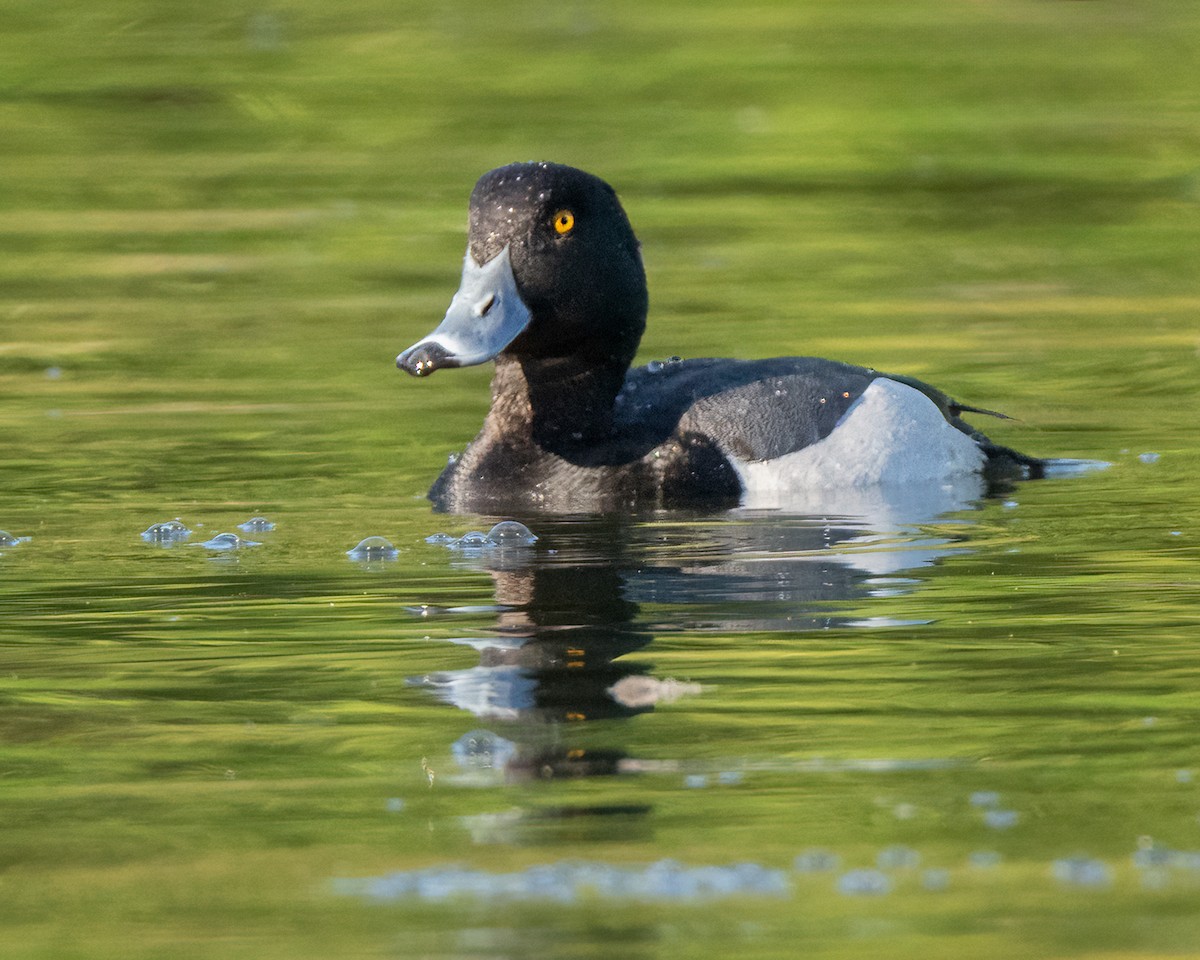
(220, 223)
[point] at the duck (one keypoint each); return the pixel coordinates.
(553, 291)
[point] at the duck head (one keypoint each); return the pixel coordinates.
(552, 272)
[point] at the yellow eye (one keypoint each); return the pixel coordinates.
(564, 220)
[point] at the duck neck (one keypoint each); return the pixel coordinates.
(556, 402)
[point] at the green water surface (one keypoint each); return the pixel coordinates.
(218, 226)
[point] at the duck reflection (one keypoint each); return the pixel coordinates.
(575, 609)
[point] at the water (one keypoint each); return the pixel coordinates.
(756, 733)
(984, 724)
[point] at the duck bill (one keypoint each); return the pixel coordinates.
(485, 316)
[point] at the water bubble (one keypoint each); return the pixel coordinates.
(8, 540)
(864, 883)
(472, 539)
(482, 748)
(394, 805)
(638, 690)
(1001, 819)
(1184, 776)
(985, 798)
(1150, 856)
(228, 541)
(373, 548)
(695, 781)
(256, 525)
(1149, 457)
(1082, 872)
(511, 533)
(54, 373)
(440, 539)
(169, 531)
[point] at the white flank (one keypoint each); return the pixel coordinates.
(892, 452)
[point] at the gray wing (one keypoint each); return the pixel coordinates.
(760, 409)
(753, 409)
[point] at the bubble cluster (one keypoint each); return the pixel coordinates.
(169, 531)
(567, 881)
(483, 749)
(507, 533)
(256, 525)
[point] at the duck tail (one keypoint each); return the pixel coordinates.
(958, 409)
(1004, 463)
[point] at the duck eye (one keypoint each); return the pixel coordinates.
(564, 221)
